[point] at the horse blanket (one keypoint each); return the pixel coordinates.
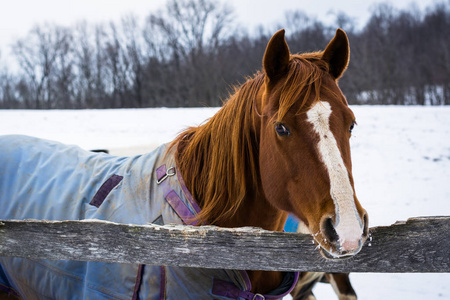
(41, 179)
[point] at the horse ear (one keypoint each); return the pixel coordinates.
(276, 57)
(337, 54)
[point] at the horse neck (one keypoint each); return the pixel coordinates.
(233, 136)
(219, 162)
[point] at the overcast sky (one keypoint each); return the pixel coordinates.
(18, 16)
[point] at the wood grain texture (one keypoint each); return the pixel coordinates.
(417, 245)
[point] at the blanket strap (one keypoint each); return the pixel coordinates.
(186, 214)
(230, 290)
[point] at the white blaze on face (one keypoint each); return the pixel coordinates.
(348, 224)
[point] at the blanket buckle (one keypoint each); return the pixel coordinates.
(169, 173)
(258, 296)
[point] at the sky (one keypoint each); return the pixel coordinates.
(17, 17)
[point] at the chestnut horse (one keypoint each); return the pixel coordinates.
(281, 145)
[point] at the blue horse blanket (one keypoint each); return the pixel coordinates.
(41, 179)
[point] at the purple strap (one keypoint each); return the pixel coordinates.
(9, 290)
(174, 199)
(105, 189)
(137, 285)
(230, 290)
(180, 208)
(187, 194)
(161, 172)
(162, 284)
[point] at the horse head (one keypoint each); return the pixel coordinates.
(304, 152)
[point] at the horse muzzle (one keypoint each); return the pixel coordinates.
(343, 240)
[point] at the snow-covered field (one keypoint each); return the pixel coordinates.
(401, 166)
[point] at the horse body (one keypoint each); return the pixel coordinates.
(279, 145)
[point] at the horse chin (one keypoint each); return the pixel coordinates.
(334, 255)
(329, 252)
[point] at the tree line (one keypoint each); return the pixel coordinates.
(191, 53)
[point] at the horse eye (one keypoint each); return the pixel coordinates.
(281, 129)
(352, 126)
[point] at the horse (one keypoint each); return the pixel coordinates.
(279, 145)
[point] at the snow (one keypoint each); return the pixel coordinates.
(401, 166)
(119, 130)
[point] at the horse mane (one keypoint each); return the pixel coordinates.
(219, 159)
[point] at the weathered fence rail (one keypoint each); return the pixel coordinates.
(417, 245)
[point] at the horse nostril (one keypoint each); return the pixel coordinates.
(329, 231)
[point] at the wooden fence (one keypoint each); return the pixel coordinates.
(417, 245)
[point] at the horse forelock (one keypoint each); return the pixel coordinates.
(303, 79)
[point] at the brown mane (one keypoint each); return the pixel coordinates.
(219, 159)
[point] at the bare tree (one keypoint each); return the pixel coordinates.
(192, 31)
(37, 55)
(85, 65)
(7, 99)
(90, 66)
(135, 51)
(63, 75)
(100, 91)
(118, 66)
